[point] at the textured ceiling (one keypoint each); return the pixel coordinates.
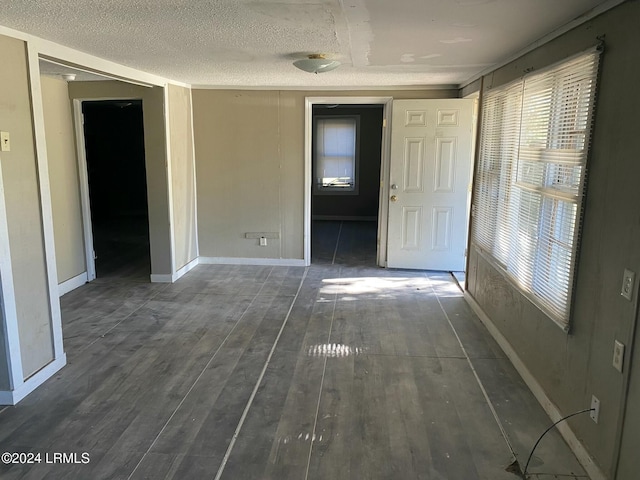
(247, 43)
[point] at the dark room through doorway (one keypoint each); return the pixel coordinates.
(114, 144)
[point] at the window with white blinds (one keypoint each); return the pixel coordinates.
(335, 153)
(530, 180)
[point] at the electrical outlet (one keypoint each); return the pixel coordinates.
(618, 355)
(595, 409)
(628, 280)
(263, 241)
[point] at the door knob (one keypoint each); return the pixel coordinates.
(393, 198)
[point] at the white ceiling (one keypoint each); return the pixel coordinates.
(252, 43)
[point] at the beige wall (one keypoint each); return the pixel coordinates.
(63, 179)
(21, 194)
(155, 158)
(182, 175)
(571, 368)
(250, 168)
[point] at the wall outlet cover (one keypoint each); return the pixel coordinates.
(595, 409)
(628, 280)
(618, 355)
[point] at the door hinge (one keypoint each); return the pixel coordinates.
(384, 122)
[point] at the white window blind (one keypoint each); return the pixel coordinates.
(534, 144)
(335, 155)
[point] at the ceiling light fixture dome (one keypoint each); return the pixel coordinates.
(316, 63)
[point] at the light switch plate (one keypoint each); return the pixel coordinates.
(5, 142)
(628, 281)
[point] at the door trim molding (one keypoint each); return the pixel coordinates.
(83, 179)
(383, 209)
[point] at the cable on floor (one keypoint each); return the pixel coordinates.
(526, 467)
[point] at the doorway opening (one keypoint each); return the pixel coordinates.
(344, 212)
(117, 187)
(346, 164)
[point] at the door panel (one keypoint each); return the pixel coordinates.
(411, 227)
(445, 167)
(441, 231)
(429, 180)
(413, 166)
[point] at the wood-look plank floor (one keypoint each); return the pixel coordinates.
(336, 371)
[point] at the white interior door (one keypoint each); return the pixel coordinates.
(429, 181)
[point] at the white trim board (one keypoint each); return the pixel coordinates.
(72, 283)
(83, 181)
(173, 277)
(282, 262)
(46, 210)
(12, 397)
(169, 170)
(276, 262)
(195, 180)
(9, 312)
(185, 268)
(549, 407)
(161, 278)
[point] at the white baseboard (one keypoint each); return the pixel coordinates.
(161, 278)
(12, 397)
(552, 410)
(188, 267)
(170, 278)
(282, 262)
(72, 283)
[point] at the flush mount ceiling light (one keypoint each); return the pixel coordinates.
(69, 77)
(316, 63)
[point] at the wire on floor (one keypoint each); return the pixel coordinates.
(526, 467)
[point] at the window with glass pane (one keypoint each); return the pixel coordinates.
(529, 189)
(335, 159)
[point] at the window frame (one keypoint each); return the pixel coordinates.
(321, 190)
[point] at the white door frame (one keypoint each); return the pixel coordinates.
(83, 178)
(385, 163)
